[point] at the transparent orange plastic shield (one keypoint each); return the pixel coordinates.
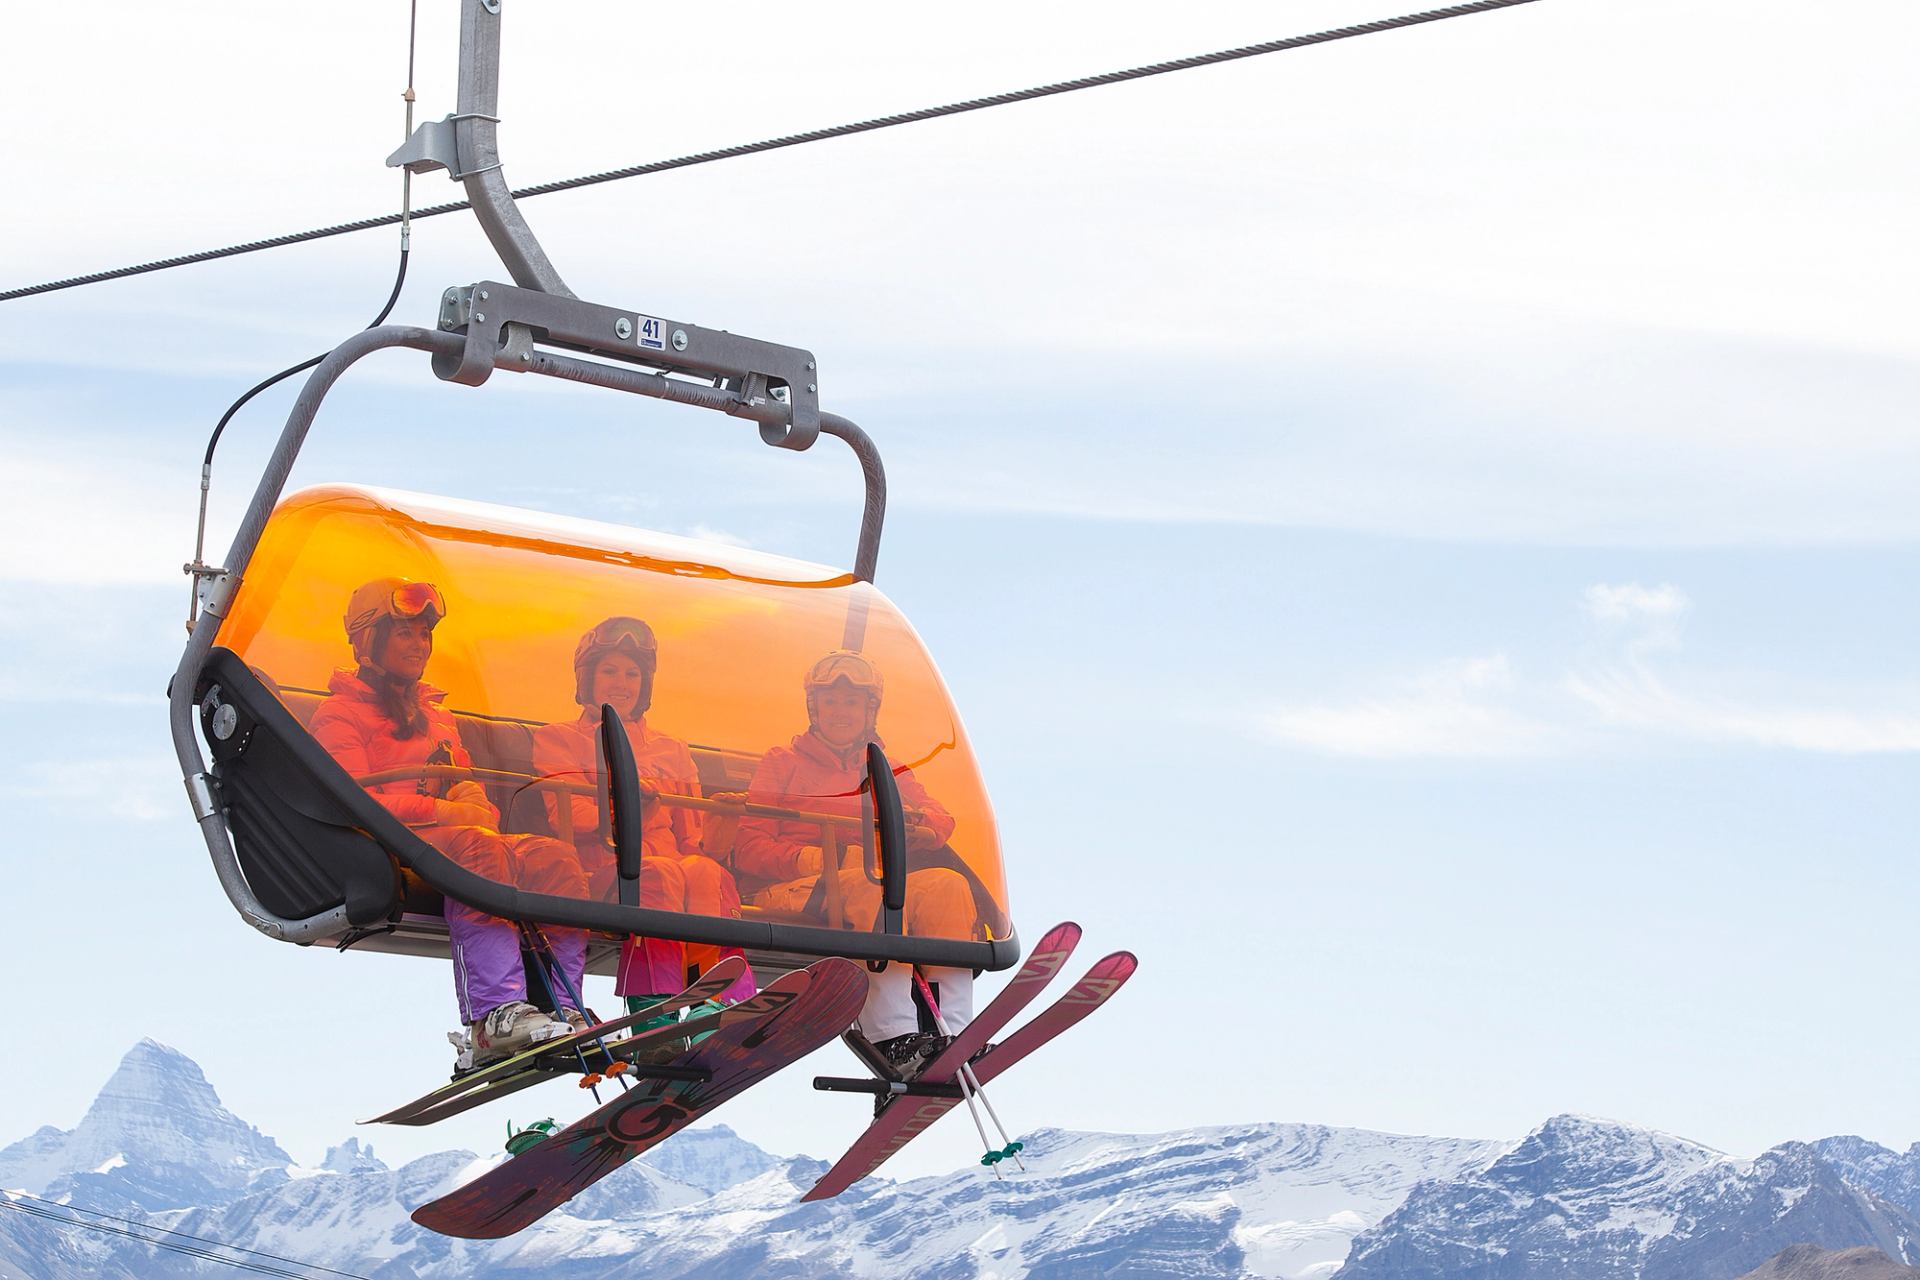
(765, 802)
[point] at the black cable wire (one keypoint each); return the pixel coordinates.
(792, 140)
(205, 1255)
(213, 441)
(149, 1226)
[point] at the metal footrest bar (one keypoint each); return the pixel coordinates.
(887, 1088)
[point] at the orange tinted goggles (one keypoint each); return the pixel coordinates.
(411, 599)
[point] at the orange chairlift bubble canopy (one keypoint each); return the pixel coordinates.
(736, 633)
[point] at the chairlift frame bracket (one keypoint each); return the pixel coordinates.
(501, 322)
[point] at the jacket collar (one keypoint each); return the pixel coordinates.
(349, 684)
(815, 748)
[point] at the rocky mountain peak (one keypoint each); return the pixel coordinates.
(1811, 1262)
(156, 1137)
(1892, 1175)
(352, 1156)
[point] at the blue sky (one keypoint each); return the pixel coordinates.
(1423, 531)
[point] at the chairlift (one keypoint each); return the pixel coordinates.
(305, 853)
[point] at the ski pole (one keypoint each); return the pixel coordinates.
(547, 969)
(616, 1065)
(970, 1089)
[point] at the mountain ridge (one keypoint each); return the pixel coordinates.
(1578, 1198)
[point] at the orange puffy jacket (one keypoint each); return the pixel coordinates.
(355, 731)
(812, 776)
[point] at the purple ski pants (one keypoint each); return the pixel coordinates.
(487, 971)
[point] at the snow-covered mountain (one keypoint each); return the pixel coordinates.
(1891, 1175)
(155, 1138)
(1585, 1199)
(1578, 1198)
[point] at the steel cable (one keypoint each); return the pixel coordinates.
(793, 140)
(13, 1201)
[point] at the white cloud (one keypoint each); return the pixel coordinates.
(133, 788)
(1463, 709)
(1481, 709)
(1630, 600)
(1628, 696)
(707, 533)
(82, 515)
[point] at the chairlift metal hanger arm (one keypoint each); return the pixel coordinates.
(466, 144)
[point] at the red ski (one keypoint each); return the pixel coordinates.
(816, 1003)
(936, 1091)
(1048, 957)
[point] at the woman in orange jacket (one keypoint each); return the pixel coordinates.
(383, 716)
(614, 665)
(824, 771)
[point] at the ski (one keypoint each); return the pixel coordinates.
(901, 1121)
(624, 1049)
(814, 1004)
(557, 1056)
(1048, 957)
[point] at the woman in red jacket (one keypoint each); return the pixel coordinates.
(824, 771)
(383, 716)
(614, 665)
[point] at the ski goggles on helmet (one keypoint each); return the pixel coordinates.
(393, 598)
(617, 635)
(844, 664)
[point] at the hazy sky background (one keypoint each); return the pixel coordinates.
(1423, 531)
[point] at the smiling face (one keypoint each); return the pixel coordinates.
(840, 714)
(617, 680)
(405, 648)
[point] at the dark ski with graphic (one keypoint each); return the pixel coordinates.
(910, 1108)
(566, 1054)
(812, 1006)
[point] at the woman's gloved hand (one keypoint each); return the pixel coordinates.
(467, 791)
(452, 813)
(808, 861)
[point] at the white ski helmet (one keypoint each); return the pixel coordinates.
(844, 666)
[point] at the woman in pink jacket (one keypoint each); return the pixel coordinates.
(383, 716)
(824, 771)
(614, 665)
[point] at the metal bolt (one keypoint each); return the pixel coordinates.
(809, 366)
(446, 322)
(812, 387)
(679, 339)
(478, 318)
(451, 295)
(623, 328)
(483, 295)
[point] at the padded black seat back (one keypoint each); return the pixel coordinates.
(301, 852)
(507, 745)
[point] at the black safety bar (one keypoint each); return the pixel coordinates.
(625, 800)
(890, 836)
